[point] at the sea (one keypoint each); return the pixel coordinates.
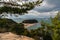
(38, 25)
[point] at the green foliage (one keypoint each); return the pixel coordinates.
(54, 28)
(56, 23)
(12, 10)
(7, 25)
(28, 6)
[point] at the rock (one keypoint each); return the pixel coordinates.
(11, 36)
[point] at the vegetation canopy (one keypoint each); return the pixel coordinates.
(17, 8)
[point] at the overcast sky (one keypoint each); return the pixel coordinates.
(48, 8)
(49, 5)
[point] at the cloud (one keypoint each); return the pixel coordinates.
(48, 8)
(34, 14)
(49, 5)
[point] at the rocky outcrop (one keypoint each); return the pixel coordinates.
(11, 36)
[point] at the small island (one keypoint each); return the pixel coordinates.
(30, 21)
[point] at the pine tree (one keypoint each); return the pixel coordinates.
(14, 7)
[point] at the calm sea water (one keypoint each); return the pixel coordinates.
(38, 25)
(47, 20)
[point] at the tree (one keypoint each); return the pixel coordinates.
(53, 28)
(17, 8)
(56, 23)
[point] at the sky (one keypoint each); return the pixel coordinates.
(46, 9)
(49, 5)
